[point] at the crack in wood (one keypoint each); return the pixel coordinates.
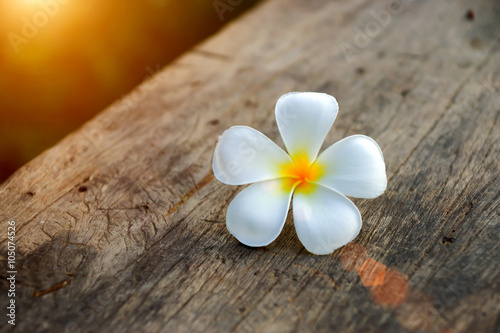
(201, 184)
(52, 289)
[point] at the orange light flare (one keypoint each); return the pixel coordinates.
(371, 273)
(389, 288)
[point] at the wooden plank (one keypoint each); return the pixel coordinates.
(120, 227)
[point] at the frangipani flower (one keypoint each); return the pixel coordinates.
(324, 218)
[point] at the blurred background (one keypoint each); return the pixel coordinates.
(63, 61)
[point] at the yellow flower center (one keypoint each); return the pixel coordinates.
(302, 171)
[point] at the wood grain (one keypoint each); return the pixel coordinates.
(120, 227)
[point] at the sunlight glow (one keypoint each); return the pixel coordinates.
(28, 3)
(30, 7)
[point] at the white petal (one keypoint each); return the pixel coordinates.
(244, 155)
(354, 166)
(304, 120)
(324, 219)
(257, 214)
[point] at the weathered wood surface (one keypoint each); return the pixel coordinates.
(120, 227)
